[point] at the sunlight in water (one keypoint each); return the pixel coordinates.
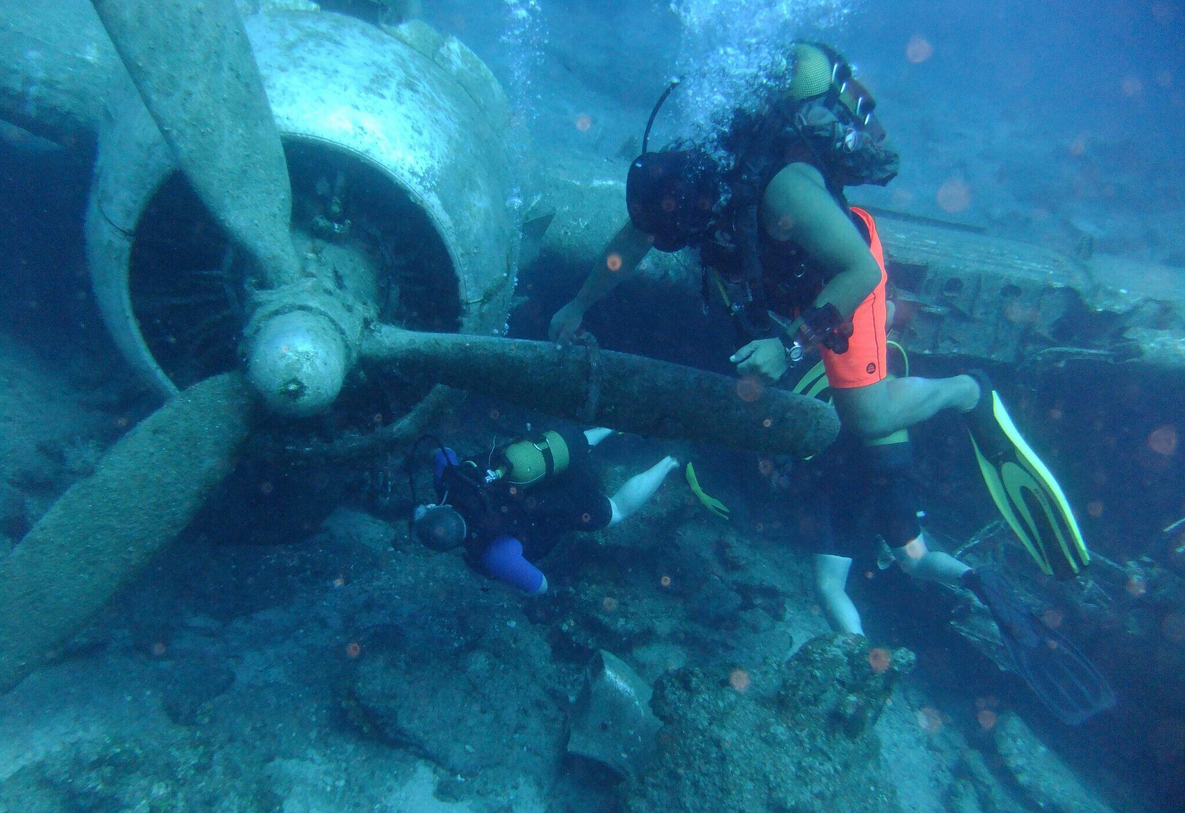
(733, 50)
(525, 34)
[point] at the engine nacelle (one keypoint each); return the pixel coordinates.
(401, 156)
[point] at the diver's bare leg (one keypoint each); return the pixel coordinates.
(929, 565)
(635, 491)
(831, 577)
(887, 406)
(597, 434)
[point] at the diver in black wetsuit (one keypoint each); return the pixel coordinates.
(509, 511)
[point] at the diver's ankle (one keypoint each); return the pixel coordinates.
(974, 393)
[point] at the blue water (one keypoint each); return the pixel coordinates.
(1052, 112)
(297, 651)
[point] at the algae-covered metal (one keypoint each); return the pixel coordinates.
(611, 719)
(416, 107)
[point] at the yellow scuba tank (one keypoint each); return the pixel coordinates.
(529, 460)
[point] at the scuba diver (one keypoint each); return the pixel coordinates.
(869, 500)
(797, 266)
(510, 508)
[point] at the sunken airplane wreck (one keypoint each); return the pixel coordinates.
(294, 283)
(401, 257)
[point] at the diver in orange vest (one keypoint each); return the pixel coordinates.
(796, 265)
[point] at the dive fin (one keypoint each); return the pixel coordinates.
(1064, 679)
(1024, 490)
(711, 503)
(814, 383)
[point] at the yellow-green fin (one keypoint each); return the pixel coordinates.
(711, 503)
(1032, 502)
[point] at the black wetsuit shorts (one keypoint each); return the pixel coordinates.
(869, 491)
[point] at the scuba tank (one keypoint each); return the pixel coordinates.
(530, 460)
(672, 194)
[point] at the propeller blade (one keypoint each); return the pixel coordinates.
(193, 66)
(618, 390)
(106, 528)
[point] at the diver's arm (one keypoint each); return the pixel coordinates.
(619, 258)
(797, 207)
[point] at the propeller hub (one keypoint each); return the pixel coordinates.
(297, 362)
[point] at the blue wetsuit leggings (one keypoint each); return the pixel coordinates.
(503, 560)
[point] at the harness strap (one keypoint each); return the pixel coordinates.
(548, 458)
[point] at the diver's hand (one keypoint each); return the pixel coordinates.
(763, 358)
(566, 322)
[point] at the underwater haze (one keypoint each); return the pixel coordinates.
(549, 406)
